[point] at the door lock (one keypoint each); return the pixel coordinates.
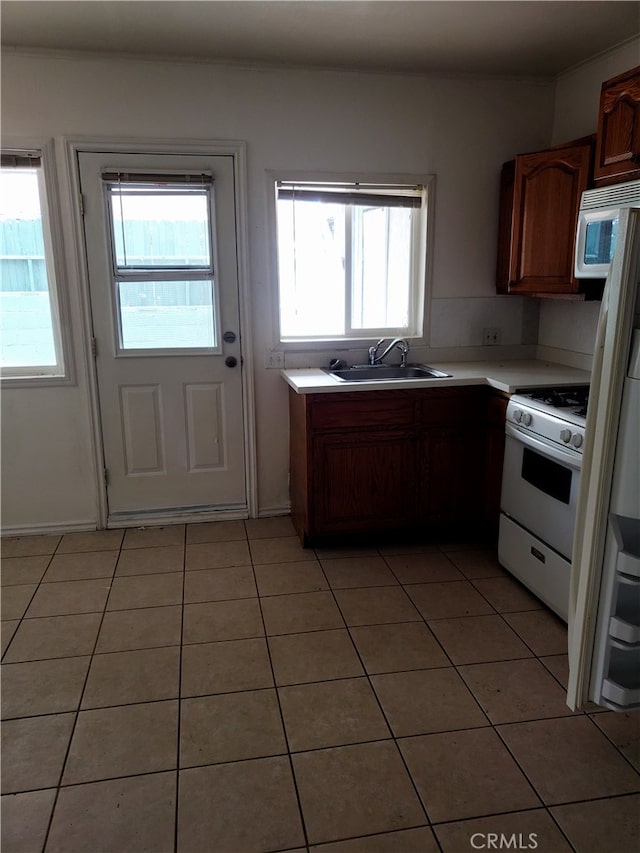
(229, 337)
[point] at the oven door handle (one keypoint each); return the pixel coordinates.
(545, 448)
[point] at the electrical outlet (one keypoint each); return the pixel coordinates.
(274, 359)
(490, 337)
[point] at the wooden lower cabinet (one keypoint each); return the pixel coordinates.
(389, 462)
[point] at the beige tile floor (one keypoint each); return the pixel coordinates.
(215, 688)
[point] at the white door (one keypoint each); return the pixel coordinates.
(163, 278)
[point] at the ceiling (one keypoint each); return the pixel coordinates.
(488, 38)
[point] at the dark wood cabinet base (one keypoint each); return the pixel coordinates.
(416, 465)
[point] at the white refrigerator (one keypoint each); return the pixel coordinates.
(604, 605)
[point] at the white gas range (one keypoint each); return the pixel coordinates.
(544, 439)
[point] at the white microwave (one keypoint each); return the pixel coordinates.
(598, 227)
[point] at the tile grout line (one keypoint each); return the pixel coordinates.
(545, 806)
(490, 722)
(77, 713)
(176, 825)
(392, 738)
(282, 720)
(542, 807)
(308, 684)
(589, 716)
(455, 666)
(432, 633)
(21, 619)
(535, 657)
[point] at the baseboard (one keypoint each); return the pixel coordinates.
(140, 520)
(50, 529)
(268, 511)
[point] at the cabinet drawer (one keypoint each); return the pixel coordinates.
(361, 410)
(453, 406)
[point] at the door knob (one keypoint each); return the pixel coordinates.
(231, 361)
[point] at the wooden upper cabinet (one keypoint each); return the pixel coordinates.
(618, 145)
(546, 196)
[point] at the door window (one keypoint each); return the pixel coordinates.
(164, 286)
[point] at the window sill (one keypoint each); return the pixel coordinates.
(34, 381)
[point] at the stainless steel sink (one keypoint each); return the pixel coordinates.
(378, 372)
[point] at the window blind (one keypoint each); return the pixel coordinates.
(198, 179)
(21, 160)
(366, 195)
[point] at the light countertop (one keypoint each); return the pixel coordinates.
(508, 376)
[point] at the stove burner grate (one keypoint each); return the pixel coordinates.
(562, 398)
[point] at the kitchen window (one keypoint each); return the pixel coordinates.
(31, 345)
(351, 259)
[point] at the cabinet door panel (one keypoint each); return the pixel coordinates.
(453, 465)
(547, 191)
(366, 481)
(618, 146)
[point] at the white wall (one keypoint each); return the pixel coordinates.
(578, 91)
(571, 327)
(457, 128)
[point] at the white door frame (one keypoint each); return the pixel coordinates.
(136, 145)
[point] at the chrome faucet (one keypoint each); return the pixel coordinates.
(402, 345)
